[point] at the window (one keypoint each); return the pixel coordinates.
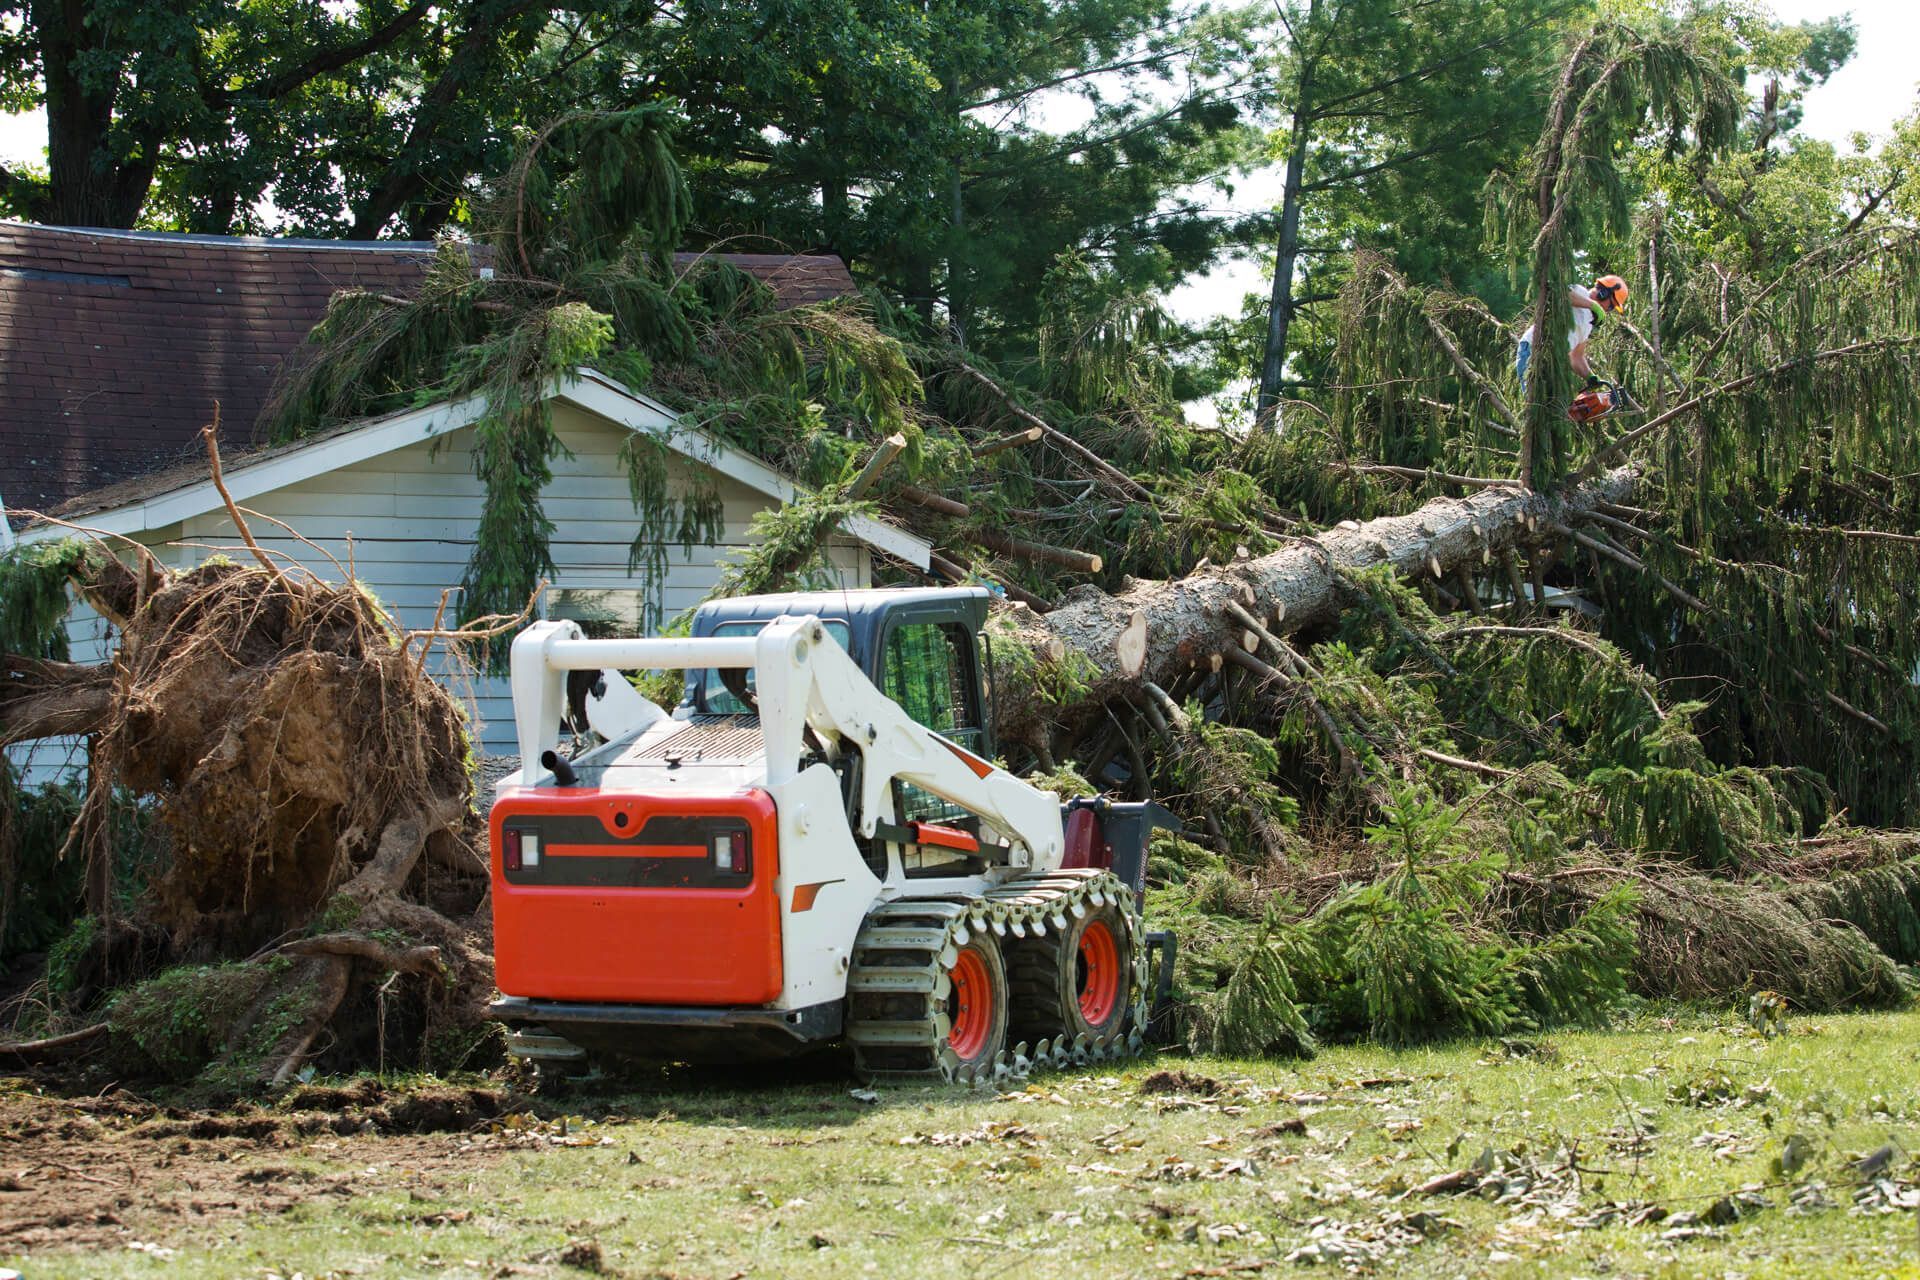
(711, 695)
(602, 612)
(929, 672)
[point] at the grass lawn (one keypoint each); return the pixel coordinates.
(1668, 1148)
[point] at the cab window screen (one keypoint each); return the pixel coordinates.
(715, 699)
(927, 673)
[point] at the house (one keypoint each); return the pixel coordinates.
(115, 346)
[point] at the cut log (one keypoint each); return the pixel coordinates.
(1013, 441)
(1130, 646)
(934, 502)
(943, 567)
(882, 457)
(1065, 557)
(1302, 584)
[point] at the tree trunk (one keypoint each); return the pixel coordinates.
(957, 301)
(836, 215)
(43, 699)
(408, 173)
(1153, 632)
(1273, 363)
(88, 185)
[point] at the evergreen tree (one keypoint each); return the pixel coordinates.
(1394, 114)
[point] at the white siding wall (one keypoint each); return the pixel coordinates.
(411, 517)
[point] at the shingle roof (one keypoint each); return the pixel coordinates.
(115, 346)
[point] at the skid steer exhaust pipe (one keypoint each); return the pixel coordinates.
(560, 767)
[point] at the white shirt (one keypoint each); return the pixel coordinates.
(1582, 321)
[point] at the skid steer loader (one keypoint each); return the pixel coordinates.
(814, 848)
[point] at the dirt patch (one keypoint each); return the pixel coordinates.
(443, 1111)
(1180, 1082)
(103, 1173)
(1294, 1127)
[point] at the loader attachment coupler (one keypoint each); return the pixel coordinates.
(1113, 835)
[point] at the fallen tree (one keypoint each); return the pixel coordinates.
(1479, 720)
(1158, 632)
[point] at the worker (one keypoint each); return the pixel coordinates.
(1609, 293)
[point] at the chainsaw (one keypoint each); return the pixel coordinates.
(1598, 400)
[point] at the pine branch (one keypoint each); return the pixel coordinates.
(1616, 554)
(1439, 148)
(1127, 486)
(1680, 593)
(1420, 73)
(1428, 474)
(1870, 535)
(1825, 635)
(1606, 453)
(1561, 634)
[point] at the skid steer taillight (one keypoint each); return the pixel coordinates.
(729, 850)
(510, 850)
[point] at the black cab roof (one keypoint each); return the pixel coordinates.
(867, 612)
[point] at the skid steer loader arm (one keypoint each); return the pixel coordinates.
(803, 680)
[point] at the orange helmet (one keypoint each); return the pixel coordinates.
(1610, 292)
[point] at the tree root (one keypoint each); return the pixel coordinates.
(424, 961)
(63, 1048)
(327, 978)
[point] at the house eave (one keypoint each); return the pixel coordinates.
(586, 389)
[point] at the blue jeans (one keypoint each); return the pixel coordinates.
(1520, 365)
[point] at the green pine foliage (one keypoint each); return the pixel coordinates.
(1232, 773)
(579, 234)
(39, 890)
(34, 598)
(1883, 903)
(1432, 948)
(1258, 1012)
(1621, 83)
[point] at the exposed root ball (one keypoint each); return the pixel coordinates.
(285, 729)
(311, 778)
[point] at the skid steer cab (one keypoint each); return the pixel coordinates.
(814, 848)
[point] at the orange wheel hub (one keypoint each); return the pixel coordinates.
(971, 1010)
(1100, 976)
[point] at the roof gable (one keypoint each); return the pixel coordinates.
(116, 346)
(186, 491)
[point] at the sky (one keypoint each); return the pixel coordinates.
(1874, 89)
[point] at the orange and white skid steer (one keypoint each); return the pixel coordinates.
(814, 848)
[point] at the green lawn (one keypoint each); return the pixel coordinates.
(1595, 1154)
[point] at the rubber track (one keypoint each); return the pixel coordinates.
(898, 986)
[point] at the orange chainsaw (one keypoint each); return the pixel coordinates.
(1596, 401)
